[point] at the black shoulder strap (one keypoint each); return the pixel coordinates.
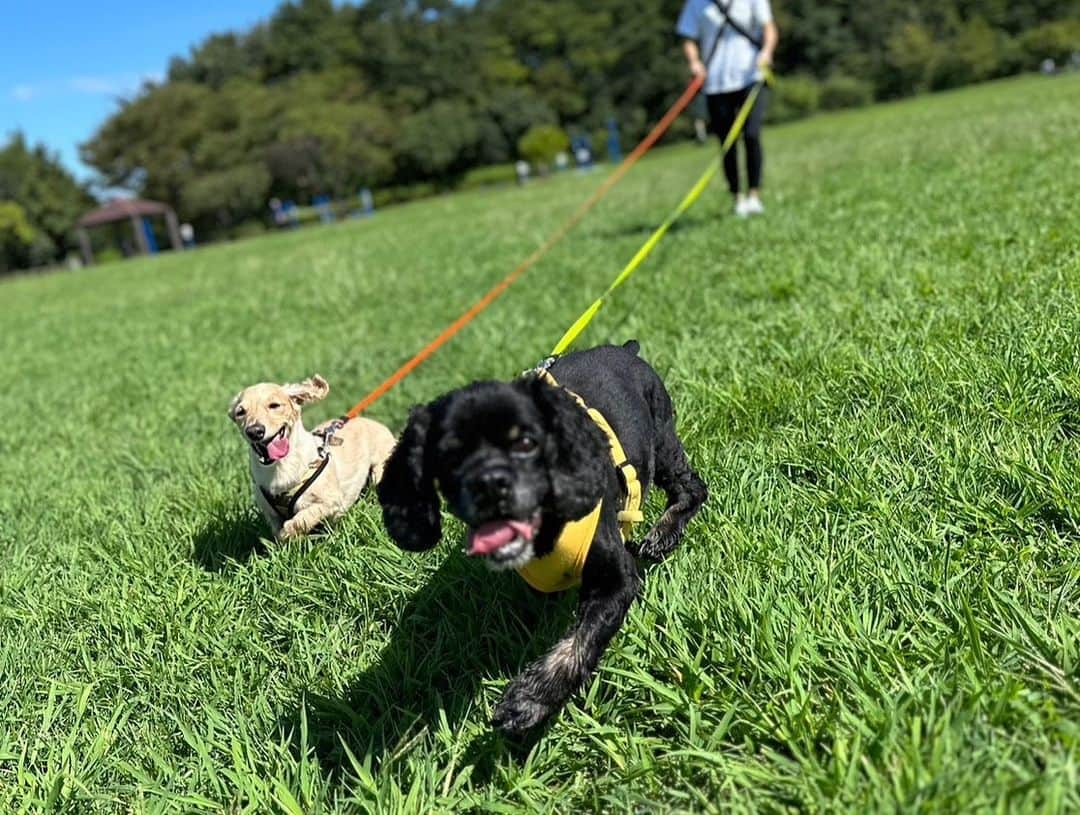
(286, 511)
(736, 26)
(307, 484)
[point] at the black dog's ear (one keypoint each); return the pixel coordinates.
(577, 451)
(410, 503)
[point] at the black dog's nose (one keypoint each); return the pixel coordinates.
(497, 482)
(255, 432)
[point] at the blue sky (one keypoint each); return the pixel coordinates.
(64, 63)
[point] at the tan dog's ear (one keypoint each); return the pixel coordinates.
(311, 389)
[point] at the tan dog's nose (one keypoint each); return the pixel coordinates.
(255, 431)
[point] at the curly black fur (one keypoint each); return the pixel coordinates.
(407, 490)
(470, 444)
(575, 448)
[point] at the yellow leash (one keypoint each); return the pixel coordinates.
(688, 201)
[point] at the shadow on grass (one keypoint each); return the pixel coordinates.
(464, 626)
(644, 229)
(228, 538)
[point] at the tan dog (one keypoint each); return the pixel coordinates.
(303, 478)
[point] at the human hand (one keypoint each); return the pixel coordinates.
(764, 59)
(697, 68)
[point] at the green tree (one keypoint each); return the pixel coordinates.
(16, 235)
(221, 58)
(1058, 41)
(323, 97)
(149, 145)
(304, 36)
(976, 52)
(440, 141)
(542, 143)
(911, 55)
(49, 202)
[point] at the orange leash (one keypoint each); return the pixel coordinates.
(642, 148)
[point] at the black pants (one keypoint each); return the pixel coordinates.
(723, 108)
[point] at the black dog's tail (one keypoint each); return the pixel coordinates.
(633, 346)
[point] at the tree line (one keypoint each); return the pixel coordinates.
(409, 95)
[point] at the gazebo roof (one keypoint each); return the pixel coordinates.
(120, 209)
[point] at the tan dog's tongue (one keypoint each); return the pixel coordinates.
(496, 534)
(277, 449)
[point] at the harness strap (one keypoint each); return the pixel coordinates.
(631, 513)
(561, 568)
(737, 27)
(287, 510)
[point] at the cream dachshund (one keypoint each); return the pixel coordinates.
(303, 478)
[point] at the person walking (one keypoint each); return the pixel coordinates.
(738, 38)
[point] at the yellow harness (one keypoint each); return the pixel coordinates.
(561, 568)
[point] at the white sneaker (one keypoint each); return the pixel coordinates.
(753, 206)
(741, 210)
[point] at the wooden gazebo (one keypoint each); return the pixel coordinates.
(135, 210)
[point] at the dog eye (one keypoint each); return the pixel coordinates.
(240, 413)
(524, 446)
(274, 405)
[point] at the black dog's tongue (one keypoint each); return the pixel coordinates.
(494, 535)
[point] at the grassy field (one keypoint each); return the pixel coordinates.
(877, 610)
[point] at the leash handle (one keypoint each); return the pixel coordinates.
(587, 316)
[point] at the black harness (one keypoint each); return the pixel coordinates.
(284, 504)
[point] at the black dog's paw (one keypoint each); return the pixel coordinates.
(658, 544)
(650, 549)
(655, 547)
(517, 712)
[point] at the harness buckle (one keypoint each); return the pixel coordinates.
(542, 367)
(326, 433)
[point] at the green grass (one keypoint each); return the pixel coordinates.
(877, 610)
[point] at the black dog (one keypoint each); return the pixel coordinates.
(518, 463)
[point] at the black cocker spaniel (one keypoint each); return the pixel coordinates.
(526, 466)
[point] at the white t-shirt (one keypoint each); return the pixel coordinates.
(734, 64)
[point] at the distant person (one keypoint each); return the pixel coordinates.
(187, 235)
(741, 37)
(281, 218)
(367, 202)
(582, 149)
(324, 208)
(614, 143)
(291, 213)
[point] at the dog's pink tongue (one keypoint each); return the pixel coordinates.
(496, 534)
(277, 449)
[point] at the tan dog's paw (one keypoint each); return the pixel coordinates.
(291, 529)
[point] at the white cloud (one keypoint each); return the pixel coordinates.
(95, 85)
(113, 85)
(103, 85)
